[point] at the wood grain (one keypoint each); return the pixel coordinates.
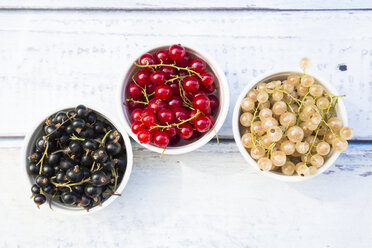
(191, 201)
(190, 4)
(63, 58)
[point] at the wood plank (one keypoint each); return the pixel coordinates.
(190, 4)
(65, 58)
(181, 201)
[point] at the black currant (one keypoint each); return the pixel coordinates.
(87, 133)
(86, 160)
(100, 155)
(74, 147)
(34, 157)
(47, 170)
(41, 180)
(99, 178)
(64, 139)
(82, 111)
(61, 177)
(70, 129)
(41, 144)
(90, 145)
(86, 172)
(84, 201)
(99, 127)
(65, 164)
(61, 117)
(78, 124)
(69, 198)
(74, 174)
(113, 148)
(91, 118)
(39, 199)
(53, 159)
(114, 136)
(49, 189)
(120, 163)
(35, 189)
(109, 165)
(52, 131)
(92, 191)
(78, 189)
(71, 113)
(33, 169)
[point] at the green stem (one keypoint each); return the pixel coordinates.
(169, 65)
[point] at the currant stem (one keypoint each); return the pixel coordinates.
(180, 123)
(168, 65)
(46, 139)
(104, 138)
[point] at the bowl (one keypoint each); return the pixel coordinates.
(281, 75)
(222, 94)
(58, 207)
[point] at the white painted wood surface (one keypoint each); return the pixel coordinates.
(186, 4)
(191, 201)
(57, 58)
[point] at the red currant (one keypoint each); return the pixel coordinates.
(176, 52)
(136, 114)
(156, 105)
(162, 57)
(161, 139)
(143, 77)
(201, 102)
(202, 123)
(165, 116)
(181, 114)
(191, 84)
(133, 105)
(175, 88)
(144, 136)
(169, 71)
(184, 61)
(198, 93)
(163, 92)
(150, 88)
(154, 129)
(209, 89)
(212, 119)
(147, 59)
(207, 111)
(157, 77)
(207, 79)
(171, 131)
(183, 73)
(197, 65)
(192, 114)
(174, 102)
(137, 126)
(148, 119)
(134, 91)
(185, 131)
(215, 103)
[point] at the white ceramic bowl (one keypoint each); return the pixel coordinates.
(29, 142)
(281, 75)
(222, 94)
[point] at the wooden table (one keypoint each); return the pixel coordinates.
(55, 53)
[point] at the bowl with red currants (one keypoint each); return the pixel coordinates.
(173, 99)
(77, 160)
(290, 125)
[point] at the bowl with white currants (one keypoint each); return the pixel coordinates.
(290, 125)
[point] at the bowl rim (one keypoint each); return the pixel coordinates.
(224, 100)
(59, 208)
(341, 113)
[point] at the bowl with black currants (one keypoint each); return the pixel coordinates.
(290, 125)
(173, 99)
(77, 160)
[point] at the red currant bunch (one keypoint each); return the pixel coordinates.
(172, 97)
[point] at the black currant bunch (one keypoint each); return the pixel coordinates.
(78, 160)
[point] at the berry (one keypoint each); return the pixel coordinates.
(176, 52)
(209, 89)
(201, 102)
(33, 169)
(191, 84)
(163, 92)
(161, 139)
(181, 114)
(143, 77)
(207, 79)
(147, 59)
(74, 174)
(185, 131)
(99, 178)
(39, 199)
(169, 71)
(175, 88)
(92, 191)
(184, 61)
(148, 118)
(81, 111)
(144, 136)
(174, 102)
(162, 57)
(100, 155)
(171, 131)
(113, 148)
(136, 114)
(134, 91)
(69, 198)
(158, 77)
(197, 65)
(202, 123)
(137, 126)
(165, 116)
(156, 104)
